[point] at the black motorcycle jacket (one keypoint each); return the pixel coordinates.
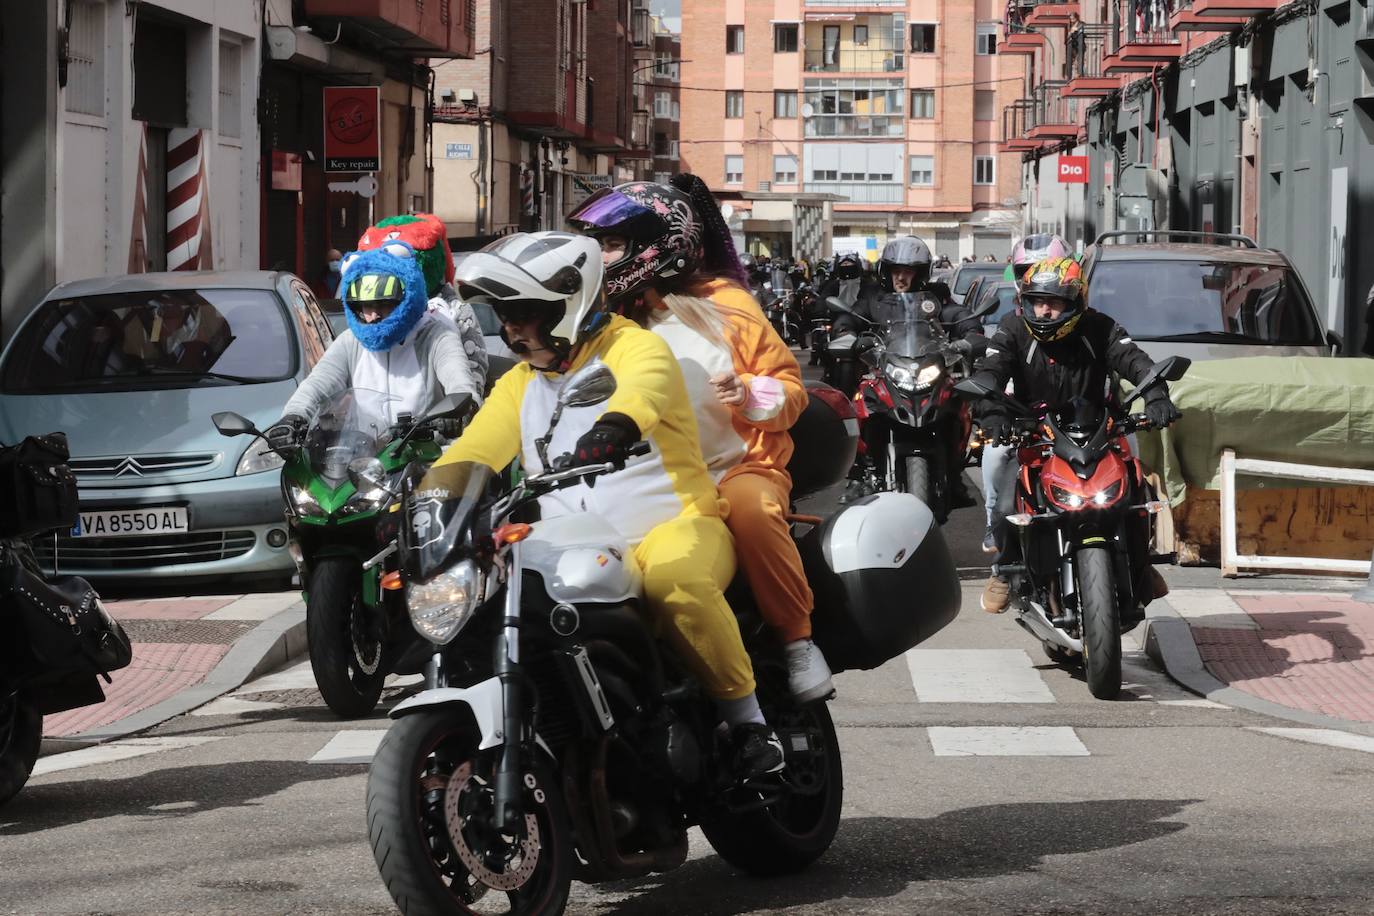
(1056, 373)
(958, 322)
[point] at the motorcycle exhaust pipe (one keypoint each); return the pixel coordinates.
(1033, 618)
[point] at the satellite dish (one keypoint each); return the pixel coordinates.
(727, 211)
(807, 110)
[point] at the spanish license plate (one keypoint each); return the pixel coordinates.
(123, 523)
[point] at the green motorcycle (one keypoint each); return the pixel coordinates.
(343, 537)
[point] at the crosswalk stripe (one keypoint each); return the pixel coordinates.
(298, 676)
(1005, 741)
(976, 676)
(352, 745)
(1327, 736)
(116, 750)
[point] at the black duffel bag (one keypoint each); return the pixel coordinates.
(65, 626)
(37, 489)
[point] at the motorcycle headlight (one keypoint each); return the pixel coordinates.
(441, 607)
(258, 458)
(303, 501)
(900, 376)
(927, 377)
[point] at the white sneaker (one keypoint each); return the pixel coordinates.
(808, 676)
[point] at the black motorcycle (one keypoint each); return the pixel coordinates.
(559, 740)
(56, 638)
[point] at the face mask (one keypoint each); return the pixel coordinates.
(334, 266)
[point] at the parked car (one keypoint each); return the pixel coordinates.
(131, 368)
(967, 273)
(1004, 291)
(1210, 297)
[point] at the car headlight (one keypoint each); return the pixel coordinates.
(901, 376)
(303, 501)
(258, 458)
(927, 377)
(440, 607)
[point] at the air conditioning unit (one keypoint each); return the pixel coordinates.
(765, 185)
(448, 96)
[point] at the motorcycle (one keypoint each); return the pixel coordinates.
(1081, 520)
(56, 638)
(915, 432)
(558, 739)
(341, 538)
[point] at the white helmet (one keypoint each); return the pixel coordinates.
(558, 274)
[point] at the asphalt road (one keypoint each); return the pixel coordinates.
(1157, 803)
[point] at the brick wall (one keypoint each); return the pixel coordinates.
(535, 55)
(701, 126)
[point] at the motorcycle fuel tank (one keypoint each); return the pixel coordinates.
(883, 578)
(582, 559)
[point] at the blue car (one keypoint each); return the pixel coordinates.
(131, 369)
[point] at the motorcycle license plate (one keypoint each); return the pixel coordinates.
(122, 523)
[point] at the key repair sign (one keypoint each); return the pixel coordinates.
(352, 129)
(1073, 169)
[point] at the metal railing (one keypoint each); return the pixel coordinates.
(861, 60)
(862, 192)
(1150, 28)
(1085, 58)
(1017, 119)
(1051, 108)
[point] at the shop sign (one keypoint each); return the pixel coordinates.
(1073, 169)
(457, 150)
(352, 134)
(585, 185)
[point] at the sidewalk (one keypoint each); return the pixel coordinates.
(1287, 650)
(187, 651)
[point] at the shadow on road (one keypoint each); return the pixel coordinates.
(165, 793)
(878, 857)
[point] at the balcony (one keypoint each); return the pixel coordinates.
(850, 125)
(1053, 117)
(1017, 120)
(1232, 9)
(641, 136)
(414, 27)
(641, 28)
(1140, 51)
(861, 192)
(1084, 71)
(859, 60)
(1051, 14)
(1185, 18)
(1019, 40)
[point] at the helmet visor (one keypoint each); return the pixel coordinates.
(375, 289)
(608, 210)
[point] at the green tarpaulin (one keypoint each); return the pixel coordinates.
(1303, 410)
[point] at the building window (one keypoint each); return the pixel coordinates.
(855, 108)
(785, 38)
(984, 170)
(784, 170)
(230, 113)
(734, 39)
(661, 144)
(734, 170)
(986, 40)
(861, 35)
(665, 66)
(85, 91)
(734, 103)
(663, 177)
(677, 112)
(922, 104)
(663, 104)
(922, 171)
(923, 38)
(984, 104)
(784, 103)
(672, 149)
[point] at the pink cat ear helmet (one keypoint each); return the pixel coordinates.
(1036, 248)
(662, 234)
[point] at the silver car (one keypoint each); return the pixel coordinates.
(131, 369)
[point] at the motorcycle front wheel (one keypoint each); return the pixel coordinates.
(345, 653)
(1101, 622)
(918, 478)
(21, 733)
(429, 807)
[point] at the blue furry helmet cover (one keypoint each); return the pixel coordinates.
(395, 259)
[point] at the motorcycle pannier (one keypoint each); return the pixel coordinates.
(883, 578)
(37, 489)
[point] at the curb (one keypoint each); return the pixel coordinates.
(269, 645)
(1168, 639)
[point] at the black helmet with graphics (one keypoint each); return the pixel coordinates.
(662, 233)
(1060, 279)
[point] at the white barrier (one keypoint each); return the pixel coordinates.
(1231, 560)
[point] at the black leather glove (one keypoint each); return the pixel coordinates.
(1161, 411)
(997, 429)
(285, 432)
(606, 441)
(961, 346)
(448, 427)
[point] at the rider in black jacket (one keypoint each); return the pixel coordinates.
(905, 291)
(1054, 350)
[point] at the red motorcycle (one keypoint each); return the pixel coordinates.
(1082, 522)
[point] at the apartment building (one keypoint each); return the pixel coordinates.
(1237, 116)
(883, 113)
(545, 116)
(663, 81)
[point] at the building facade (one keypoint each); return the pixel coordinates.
(886, 111)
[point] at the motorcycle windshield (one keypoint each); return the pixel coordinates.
(352, 424)
(912, 339)
(439, 514)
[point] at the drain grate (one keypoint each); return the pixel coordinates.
(309, 696)
(202, 632)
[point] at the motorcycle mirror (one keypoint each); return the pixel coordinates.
(231, 424)
(1170, 369)
(972, 389)
(592, 384)
(1174, 368)
(986, 307)
(451, 406)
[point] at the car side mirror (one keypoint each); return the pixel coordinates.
(231, 424)
(1336, 342)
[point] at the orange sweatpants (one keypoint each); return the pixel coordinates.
(759, 503)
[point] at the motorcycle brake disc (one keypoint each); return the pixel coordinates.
(455, 818)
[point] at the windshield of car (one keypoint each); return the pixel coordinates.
(355, 423)
(970, 272)
(1177, 299)
(1006, 303)
(174, 338)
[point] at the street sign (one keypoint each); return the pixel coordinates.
(586, 184)
(352, 132)
(1073, 169)
(457, 150)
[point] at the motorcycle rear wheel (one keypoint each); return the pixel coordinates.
(341, 651)
(423, 760)
(21, 734)
(1101, 622)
